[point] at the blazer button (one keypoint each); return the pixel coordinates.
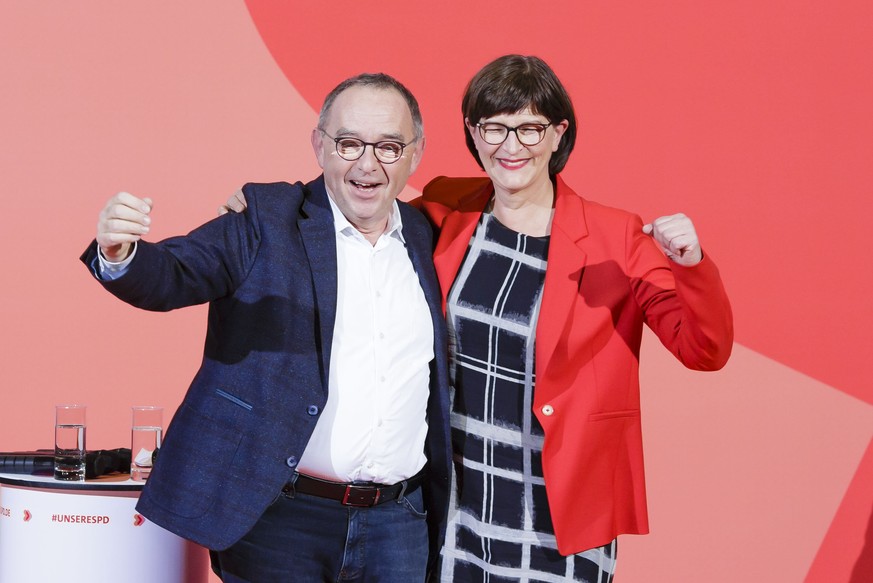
(291, 462)
(548, 409)
(312, 410)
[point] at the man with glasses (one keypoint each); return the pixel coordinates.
(313, 443)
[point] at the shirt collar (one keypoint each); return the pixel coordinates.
(342, 226)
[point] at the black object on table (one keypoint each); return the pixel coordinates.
(41, 462)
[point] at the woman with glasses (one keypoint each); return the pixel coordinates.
(546, 293)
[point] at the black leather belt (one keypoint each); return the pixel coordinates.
(351, 494)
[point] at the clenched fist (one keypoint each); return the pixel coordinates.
(123, 221)
(677, 238)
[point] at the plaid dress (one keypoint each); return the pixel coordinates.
(499, 529)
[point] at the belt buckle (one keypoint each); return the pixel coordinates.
(359, 500)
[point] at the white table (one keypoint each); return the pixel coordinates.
(87, 532)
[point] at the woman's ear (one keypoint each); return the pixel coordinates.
(471, 127)
(560, 128)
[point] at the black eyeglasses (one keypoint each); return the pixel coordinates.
(528, 134)
(386, 151)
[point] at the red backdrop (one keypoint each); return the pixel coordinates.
(751, 117)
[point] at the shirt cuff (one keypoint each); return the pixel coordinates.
(110, 270)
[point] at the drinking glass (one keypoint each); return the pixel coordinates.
(145, 441)
(70, 443)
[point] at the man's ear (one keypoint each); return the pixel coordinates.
(317, 141)
(419, 152)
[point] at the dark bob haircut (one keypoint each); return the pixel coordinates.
(512, 83)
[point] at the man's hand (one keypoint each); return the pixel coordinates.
(677, 238)
(124, 220)
(236, 203)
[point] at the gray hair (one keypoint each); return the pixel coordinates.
(376, 81)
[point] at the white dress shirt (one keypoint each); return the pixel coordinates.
(373, 425)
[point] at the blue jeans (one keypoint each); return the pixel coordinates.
(311, 539)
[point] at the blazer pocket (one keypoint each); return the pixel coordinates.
(614, 414)
(233, 399)
(195, 458)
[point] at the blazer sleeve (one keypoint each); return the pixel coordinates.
(208, 263)
(686, 307)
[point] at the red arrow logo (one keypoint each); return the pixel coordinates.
(27, 515)
(138, 519)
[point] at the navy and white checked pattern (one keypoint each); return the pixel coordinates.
(499, 527)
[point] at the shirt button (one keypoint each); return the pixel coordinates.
(548, 410)
(291, 462)
(312, 410)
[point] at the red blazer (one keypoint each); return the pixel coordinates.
(605, 278)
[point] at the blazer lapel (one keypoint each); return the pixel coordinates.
(418, 247)
(319, 241)
(566, 262)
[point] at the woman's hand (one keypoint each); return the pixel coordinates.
(677, 238)
(236, 203)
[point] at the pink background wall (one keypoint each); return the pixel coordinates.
(753, 117)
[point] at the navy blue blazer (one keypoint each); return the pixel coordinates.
(270, 277)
